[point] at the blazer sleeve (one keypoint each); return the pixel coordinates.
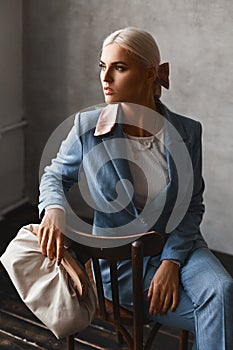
(180, 241)
(63, 171)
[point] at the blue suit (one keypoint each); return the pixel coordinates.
(176, 212)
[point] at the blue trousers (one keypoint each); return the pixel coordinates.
(205, 301)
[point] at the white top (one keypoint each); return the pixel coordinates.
(148, 166)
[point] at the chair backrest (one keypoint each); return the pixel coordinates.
(149, 244)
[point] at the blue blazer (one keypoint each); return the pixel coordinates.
(102, 161)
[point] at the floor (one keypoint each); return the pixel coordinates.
(19, 329)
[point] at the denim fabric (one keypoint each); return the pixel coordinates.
(205, 301)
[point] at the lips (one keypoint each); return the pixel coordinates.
(108, 91)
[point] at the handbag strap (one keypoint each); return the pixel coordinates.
(72, 267)
(76, 272)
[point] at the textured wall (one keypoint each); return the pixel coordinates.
(11, 111)
(61, 44)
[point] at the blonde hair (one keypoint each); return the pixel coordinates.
(138, 42)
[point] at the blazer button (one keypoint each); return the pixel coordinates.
(142, 220)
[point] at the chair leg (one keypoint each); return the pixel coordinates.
(70, 342)
(184, 335)
(137, 268)
(115, 299)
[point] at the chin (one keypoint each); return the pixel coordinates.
(112, 99)
(109, 99)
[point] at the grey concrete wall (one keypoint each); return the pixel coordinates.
(11, 109)
(61, 44)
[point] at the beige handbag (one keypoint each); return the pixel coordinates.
(60, 296)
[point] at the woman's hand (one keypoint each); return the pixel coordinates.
(50, 235)
(163, 290)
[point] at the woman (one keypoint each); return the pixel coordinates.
(185, 286)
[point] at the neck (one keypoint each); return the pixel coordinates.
(140, 120)
(132, 130)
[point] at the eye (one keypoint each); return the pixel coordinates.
(102, 66)
(120, 67)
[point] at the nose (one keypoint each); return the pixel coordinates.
(107, 75)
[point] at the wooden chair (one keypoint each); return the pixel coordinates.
(111, 311)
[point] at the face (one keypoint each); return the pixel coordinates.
(124, 78)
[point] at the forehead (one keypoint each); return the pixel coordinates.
(114, 52)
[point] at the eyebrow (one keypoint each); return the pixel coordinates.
(116, 63)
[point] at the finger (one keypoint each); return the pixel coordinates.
(43, 241)
(175, 298)
(51, 251)
(155, 301)
(166, 303)
(159, 304)
(40, 234)
(59, 244)
(149, 293)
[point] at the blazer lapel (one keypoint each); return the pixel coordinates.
(180, 170)
(115, 146)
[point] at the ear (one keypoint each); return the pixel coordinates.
(152, 74)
